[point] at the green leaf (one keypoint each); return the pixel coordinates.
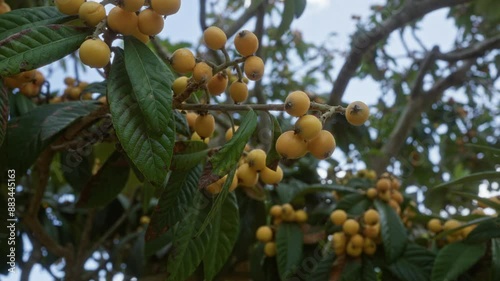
(19, 105)
(38, 46)
(286, 18)
(189, 249)
(22, 19)
(181, 125)
(300, 6)
(289, 240)
(354, 204)
(77, 167)
(351, 270)
(96, 87)
(454, 259)
(323, 267)
(298, 193)
(109, 181)
(495, 259)
(29, 134)
(485, 231)
(225, 228)
(174, 202)
(229, 155)
(393, 232)
(414, 265)
(273, 156)
(368, 270)
(188, 154)
(483, 148)
(151, 81)
(486, 201)
(151, 152)
(490, 175)
(4, 115)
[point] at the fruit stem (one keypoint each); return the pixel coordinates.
(228, 64)
(100, 27)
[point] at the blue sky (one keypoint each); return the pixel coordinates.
(320, 18)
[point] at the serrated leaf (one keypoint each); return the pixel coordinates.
(351, 270)
(24, 133)
(484, 231)
(300, 6)
(368, 270)
(229, 155)
(174, 202)
(23, 19)
(414, 265)
(225, 228)
(490, 175)
(188, 154)
(286, 18)
(289, 238)
(181, 125)
(104, 186)
(393, 232)
(38, 46)
(495, 259)
(323, 267)
(151, 81)
(188, 249)
(4, 114)
(151, 152)
(273, 156)
(454, 259)
(354, 203)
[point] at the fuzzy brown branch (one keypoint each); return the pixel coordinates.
(412, 113)
(244, 107)
(364, 41)
(473, 51)
(243, 19)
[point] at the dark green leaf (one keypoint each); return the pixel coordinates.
(181, 125)
(19, 105)
(414, 265)
(188, 154)
(174, 202)
(354, 204)
(484, 231)
(189, 249)
(490, 175)
(225, 227)
(300, 6)
(289, 239)
(23, 19)
(77, 167)
(393, 232)
(484, 148)
(273, 156)
(97, 87)
(299, 192)
(109, 181)
(495, 259)
(323, 266)
(485, 201)
(151, 81)
(29, 134)
(38, 46)
(229, 155)
(368, 270)
(286, 18)
(454, 259)
(151, 152)
(351, 270)
(4, 114)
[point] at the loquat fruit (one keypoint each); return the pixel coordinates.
(39, 78)
(353, 251)
(323, 145)
(69, 7)
(166, 7)
(308, 127)
(264, 234)
(202, 72)
(246, 43)
(290, 146)
(371, 217)
(301, 216)
(29, 90)
(91, 13)
(357, 113)
(179, 85)
(217, 186)
(247, 176)
(383, 184)
(191, 119)
(254, 68)
(238, 91)
(12, 83)
(371, 231)
(150, 22)
(451, 224)
(196, 137)
(214, 38)
(434, 225)
(69, 81)
(256, 159)
(205, 125)
(338, 217)
(140, 36)
(270, 249)
(371, 193)
(297, 103)
(182, 61)
(26, 76)
(350, 227)
(4, 8)
(276, 211)
(229, 132)
(369, 246)
(122, 21)
(132, 5)
(357, 240)
(268, 176)
(94, 53)
(217, 84)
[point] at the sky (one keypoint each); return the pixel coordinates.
(321, 17)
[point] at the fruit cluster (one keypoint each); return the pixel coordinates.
(28, 82)
(215, 79)
(387, 189)
(356, 238)
(436, 226)
(279, 213)
(127, 18)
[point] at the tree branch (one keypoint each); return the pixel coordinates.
(412, 113)
(424, 67)
(243, 19)
(363, 41)
(473, 51)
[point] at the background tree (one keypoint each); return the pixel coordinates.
(93, 188)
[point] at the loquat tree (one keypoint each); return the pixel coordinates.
(214, 160)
